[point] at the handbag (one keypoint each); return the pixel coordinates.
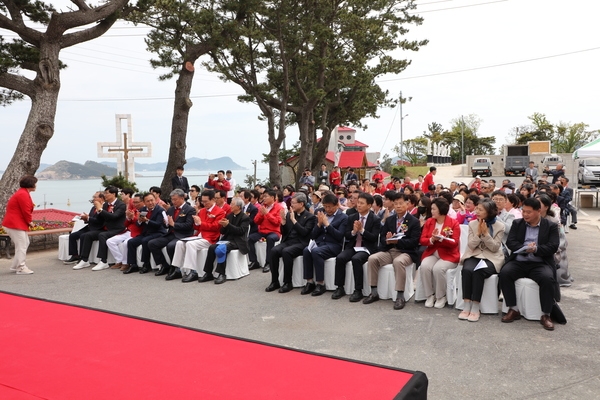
(557, 315)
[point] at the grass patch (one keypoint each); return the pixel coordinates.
(413, 172)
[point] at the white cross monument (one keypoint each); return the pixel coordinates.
(123, 146)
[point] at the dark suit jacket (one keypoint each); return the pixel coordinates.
(156, 223)
(351, 211)
(184, 225)
(237, 230)
(251, 212)
(548, 240)
(409, 244)
(183, 184)
(115, 220)
(95, 221)
(334, 233)
(370, 236)
(300, 231)
(567, 194)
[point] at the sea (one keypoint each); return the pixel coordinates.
(75, 195)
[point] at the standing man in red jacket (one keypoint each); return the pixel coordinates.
(428, 180)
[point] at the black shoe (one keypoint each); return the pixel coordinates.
(573, 226)
(308, 288)
(266, 269)
(72, 260)
(339, 293)
(319, 290)
(400, 302)
(287, 287)
(175, 273)
(356, 296)
(254, 265)
(371, 299)
(272, 287)
(163, 270)
(132, 268)
(220, 279)
(191, 277)
(206, 278)
(145, 269)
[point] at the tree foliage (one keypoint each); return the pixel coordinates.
(415, 150)
(36, 51)
(118, 181)
(315, 63)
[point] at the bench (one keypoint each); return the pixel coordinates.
(6, 242)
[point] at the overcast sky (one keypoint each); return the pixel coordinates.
(517, 56)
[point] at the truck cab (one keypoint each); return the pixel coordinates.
(482, 167)
(516, 159)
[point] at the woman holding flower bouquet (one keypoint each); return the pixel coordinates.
(18, 219)
(484, 246)
(441, 236)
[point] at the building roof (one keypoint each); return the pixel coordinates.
(357, 144)
(52, 214)
(345, 129)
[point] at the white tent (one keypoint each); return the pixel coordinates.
(591, 149)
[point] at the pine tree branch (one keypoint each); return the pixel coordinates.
(18, 83)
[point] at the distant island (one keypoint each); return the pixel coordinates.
(92, 170)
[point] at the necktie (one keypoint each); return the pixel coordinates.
(110, 208)
(359, 235)
(176, 213)
(149, 214)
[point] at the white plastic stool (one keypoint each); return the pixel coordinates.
(489, 297)
(528, 299)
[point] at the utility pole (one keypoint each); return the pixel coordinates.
(254, 177)
(462, 134)
(401, 136)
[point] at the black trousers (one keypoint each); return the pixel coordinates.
(156, 245)
(472, 281)
(211, 256)
(287, 252)
(86, 240)
(73, 238)
(132, 245)
(541, 273)
(357, 259)
(271, 238)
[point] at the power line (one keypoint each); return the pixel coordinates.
(489, 66)
(453, 8)
(153, 98)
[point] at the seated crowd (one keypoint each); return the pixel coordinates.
(514, 233)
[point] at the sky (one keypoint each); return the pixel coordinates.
(502, 60)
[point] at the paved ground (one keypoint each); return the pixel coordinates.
(483, 360)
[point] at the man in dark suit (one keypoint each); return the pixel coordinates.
(352, 200)
(153, 221)
(296, 228)
(533, 241)
(250, 209)
(328, 235)
(399, 252)
(180, 225)
(107, 220)
(112, 213)
(234, 230)
(93, 223)
(568, 197)
(362, 233)
(180, 182)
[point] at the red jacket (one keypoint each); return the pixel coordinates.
(335, 178)
(19, 211)
(222, 185)
(271, 221)
(447, 250)
(131, 225)
(209, 227)
(428, 180)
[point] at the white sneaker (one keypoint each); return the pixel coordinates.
(82, 264)
(24, 271)
(430, 300)
(440, 303)
(14, 268)
(100, 266)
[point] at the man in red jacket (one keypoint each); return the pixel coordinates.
(208, 230)
(428, 180)
(268, 220)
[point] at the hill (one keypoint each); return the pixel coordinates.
(70, 170)
(193, 164)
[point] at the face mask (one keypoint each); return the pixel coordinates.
(421, 210)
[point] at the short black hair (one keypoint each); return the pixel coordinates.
(431, 169)
(367, 197)
(128, 191)
(208, 193)
(155, 189)
(330, 199)
(442, 205)
(533, 203)
(112, 189)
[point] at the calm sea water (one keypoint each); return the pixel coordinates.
(74, 195)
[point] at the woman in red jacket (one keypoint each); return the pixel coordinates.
(441, 235)
(17, 220)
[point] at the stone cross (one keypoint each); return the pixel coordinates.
(124, 149)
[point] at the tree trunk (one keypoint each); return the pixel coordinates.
(179, 126)
(39, 127)
(306, 142)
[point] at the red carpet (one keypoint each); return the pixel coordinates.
(56, 351)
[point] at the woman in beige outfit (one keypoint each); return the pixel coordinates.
(483, 257)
